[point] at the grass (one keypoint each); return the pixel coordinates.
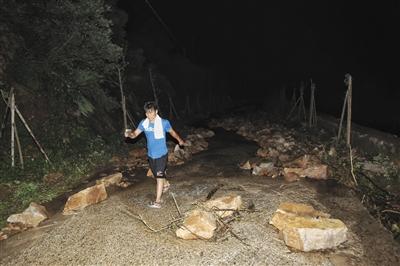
(26, 186)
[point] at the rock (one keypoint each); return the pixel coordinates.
(138, 153)
(246, 166)
(307, 234)
(31, 217)
(265, 169)
(149, 173)
(52, 178)
(332, 152)
(306, 229)
(114, 179)
(205, 133)
(197, 224)
(314, 172)
(86, 197)
(291, 177)
(3, 236)
(227, 202)
(373, 167)
(263, 153)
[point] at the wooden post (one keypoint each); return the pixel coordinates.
(312, 119)
(153, 87)
(342, 117)
(123, 102)
(21, 158)
(26, 126)
(302, 108)
(12, 129)
(8, 104)
(349, 84)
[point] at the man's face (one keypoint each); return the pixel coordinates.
(151, 114)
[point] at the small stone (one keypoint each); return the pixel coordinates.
(246, 166)
(149, 173)
(84, 198)
(197, 224)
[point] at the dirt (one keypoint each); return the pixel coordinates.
(109, 232)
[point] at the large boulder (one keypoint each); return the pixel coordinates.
(228, 204)
(306, 229)
(307, 234)
(31, 217)
(197, 224)
(84, 198)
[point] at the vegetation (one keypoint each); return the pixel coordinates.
(60, 58)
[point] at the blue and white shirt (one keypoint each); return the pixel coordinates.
(156, 148)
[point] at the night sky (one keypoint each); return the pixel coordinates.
(264, 45)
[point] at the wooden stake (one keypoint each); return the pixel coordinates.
(350, 85)
(123, 100)
(153, 86)
(31, 133)
(12, 129)
(21, 158)
(342, 117)
(3, 125)
(312, 120)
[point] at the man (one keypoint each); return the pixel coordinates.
(155, 129)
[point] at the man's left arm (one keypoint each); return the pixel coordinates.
(175, 135)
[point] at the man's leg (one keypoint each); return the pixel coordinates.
(159, 189)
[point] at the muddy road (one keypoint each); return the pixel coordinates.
(109, 233)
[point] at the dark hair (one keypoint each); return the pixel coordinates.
(150, 105)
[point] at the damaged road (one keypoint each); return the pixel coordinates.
(110, 233)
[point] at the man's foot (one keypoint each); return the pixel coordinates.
(155, 205)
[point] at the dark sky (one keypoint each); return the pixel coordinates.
(267, 44)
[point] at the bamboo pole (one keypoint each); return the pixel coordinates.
(349, 100)
(28, 129)
(3, 125)
(342, 117)
(123, 100)
(31, 133)
(153, 87)
(12, 129)
(21, 158)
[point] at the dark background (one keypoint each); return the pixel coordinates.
(262, 46)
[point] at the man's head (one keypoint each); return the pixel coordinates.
(151, 110)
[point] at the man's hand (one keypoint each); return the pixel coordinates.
(127, 133)
(182, 143)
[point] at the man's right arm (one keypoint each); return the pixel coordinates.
(133, 134)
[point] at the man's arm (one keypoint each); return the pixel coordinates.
(176, 136)
(133, 134)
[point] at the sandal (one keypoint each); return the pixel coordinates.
(155, 205)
